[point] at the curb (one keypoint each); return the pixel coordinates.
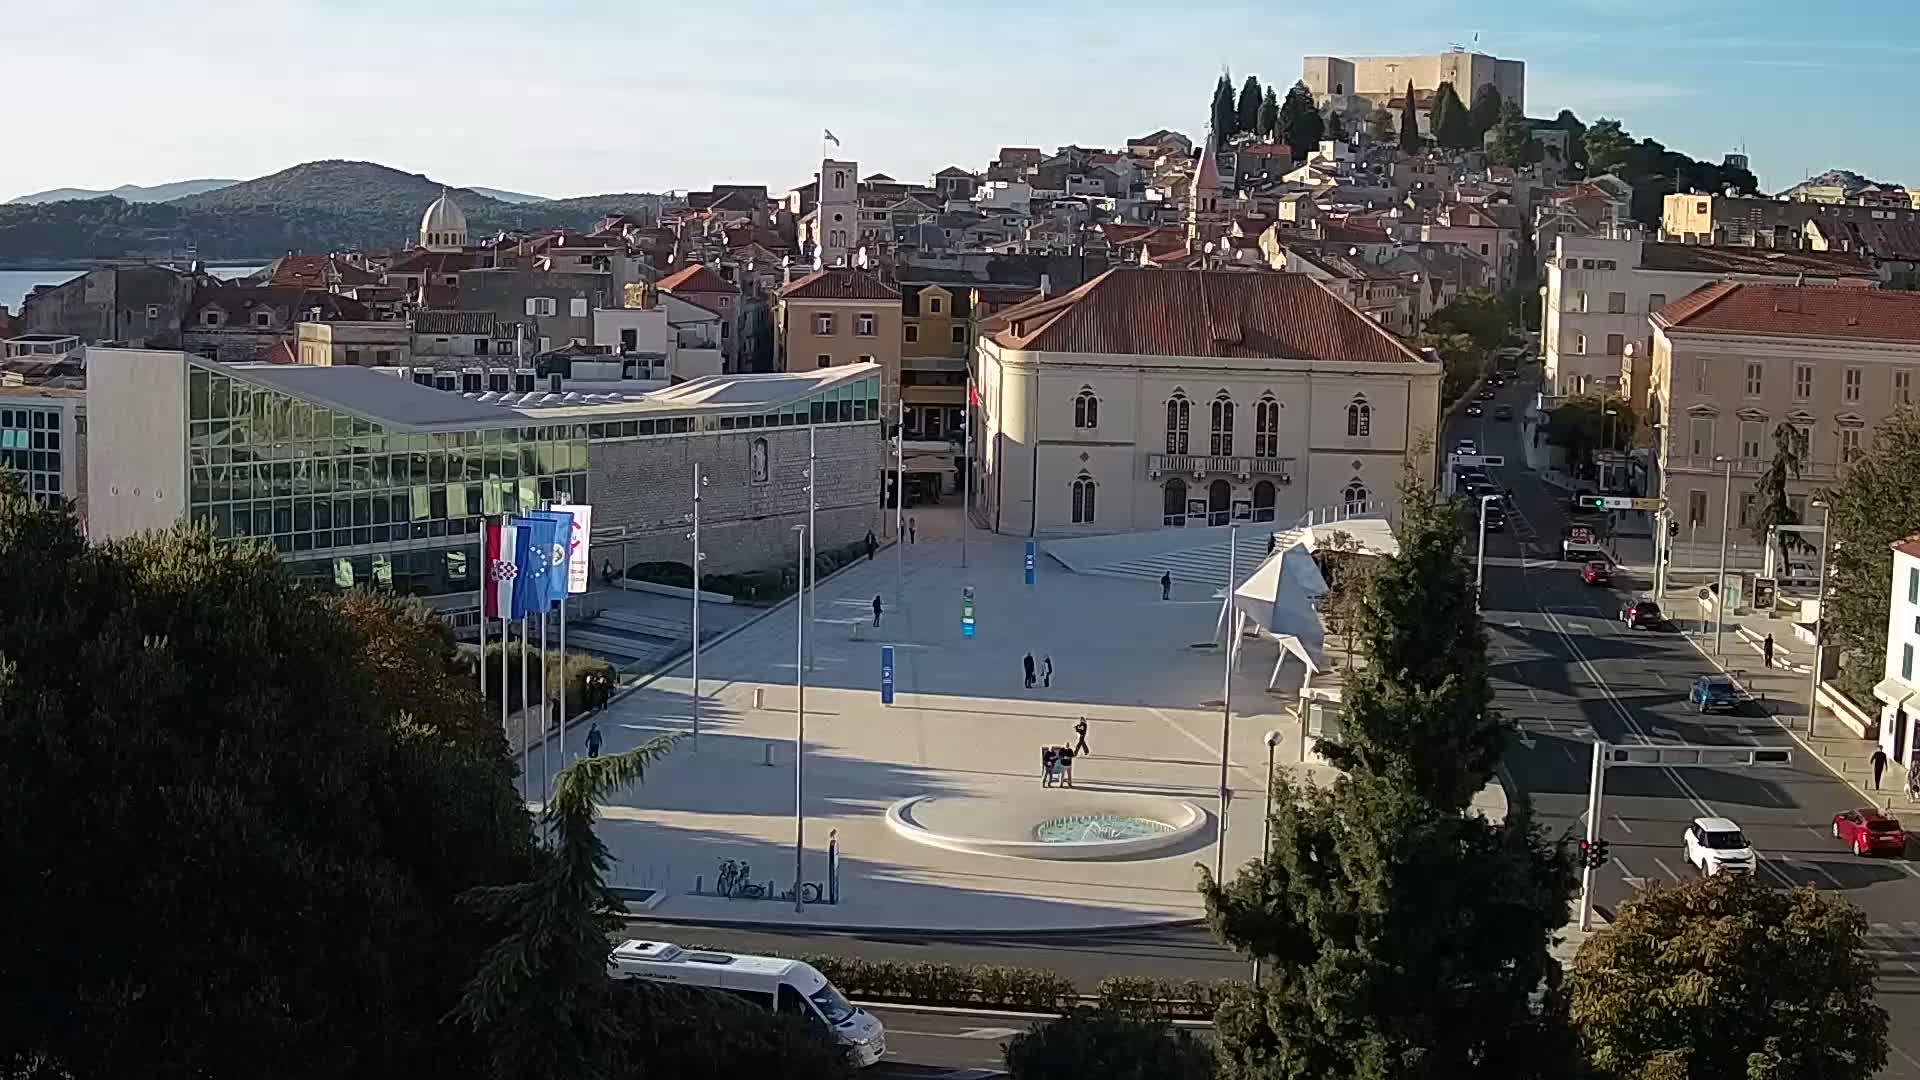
(1003, 1014)
(764, 925)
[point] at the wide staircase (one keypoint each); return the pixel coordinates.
(632, 641)
(1190, 555)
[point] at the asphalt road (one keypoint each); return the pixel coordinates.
(1567, 671)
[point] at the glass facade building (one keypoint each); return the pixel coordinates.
(350, 501)
(30, 448)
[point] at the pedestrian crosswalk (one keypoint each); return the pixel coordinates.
(1895, 946)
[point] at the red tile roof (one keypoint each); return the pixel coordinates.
(840, 284)
(319, 272)
(1909, 546)
(1215, 313)
(695, 278)
(1807, 311)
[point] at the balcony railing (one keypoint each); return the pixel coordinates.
(1748, 466)
(1197, 465)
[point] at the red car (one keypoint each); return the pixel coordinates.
(1597, 573)
(1870, 832)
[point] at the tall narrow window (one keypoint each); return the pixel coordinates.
(1902, 387)
(1850, 384)
(1086, 409)
(1266, 428)
(1083, 492)
(1222, 425)
(1178, 414)
(1802, 382)
(1754, 371)
(1849, 445)
(1359, 418)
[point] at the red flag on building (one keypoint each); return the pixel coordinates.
(973, 394)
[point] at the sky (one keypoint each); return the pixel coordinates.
(571, 97)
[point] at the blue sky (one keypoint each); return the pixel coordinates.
(573, 97)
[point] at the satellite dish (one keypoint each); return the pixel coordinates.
(1353, 251)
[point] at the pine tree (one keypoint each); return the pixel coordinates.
(1772, 504)
(1410, 140)
(1269, 118)
(1299, 125)
(1224, 114)
(1485, 112)
(1246, 116)
(1335, 126)
(1452, 125)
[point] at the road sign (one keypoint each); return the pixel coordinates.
(886, 674)
(966, 611)
(1030, 561)
(1620, 502)
(1477, 459)
(1669, 755)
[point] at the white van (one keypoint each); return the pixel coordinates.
(788, 986)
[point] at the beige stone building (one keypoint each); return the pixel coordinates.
(1733, 360)
(1187, 398)
(835, 317)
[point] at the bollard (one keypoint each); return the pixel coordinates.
(766, 753)
(759, 697)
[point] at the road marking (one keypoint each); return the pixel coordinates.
(1534, 694)
(1664, 867)
(1582, 627)
(1567, 750)
(1622, 822)
(970, 1033)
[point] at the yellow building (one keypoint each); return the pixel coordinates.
(839, 316)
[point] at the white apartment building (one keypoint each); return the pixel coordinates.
(1600, 291)
(1899, 691)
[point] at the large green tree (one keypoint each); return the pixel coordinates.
(1772, 506)
(1246, 113)
(1269, 119)
(1485, 111)
(1725, 977)
(233, 840)
(1111, 1045)
(1380, 127)
(1607, 145)
(1452, 124)
(1225, 114)
(1875, 505)
(1410, 140)
(1581, 426)
(1300, 126)
(1513, 143)
(1576, 135)
(1335, 125)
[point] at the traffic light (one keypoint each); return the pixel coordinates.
(1593, 854)
(1599, 853)
(1593, 502)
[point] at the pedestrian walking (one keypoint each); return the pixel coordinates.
(1080, 729)
(912, 529)
(606, 571)
(1913, 782)
(553, 710)
(1879, 760)
(1273, 541)
(1166, 585)
(1028, 664)
(876, 609)
(593, 740)
(1766, 651)
(1046, 671)
(872, 545)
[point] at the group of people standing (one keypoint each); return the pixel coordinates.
(1044, 672)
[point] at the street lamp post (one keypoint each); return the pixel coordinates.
(800, 723)
(1820, 619)
(1266, 826)
(1610, 413)
(1726, 516)
(1226, 699)
(1480, 557)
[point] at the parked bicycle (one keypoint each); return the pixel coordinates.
(730, 877)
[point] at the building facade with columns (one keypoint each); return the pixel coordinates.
(1151, 399)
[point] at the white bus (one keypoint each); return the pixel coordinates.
(787, 986)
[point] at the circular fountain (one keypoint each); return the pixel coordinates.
(1052, 823)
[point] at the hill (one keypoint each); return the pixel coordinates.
(509, 196)
(316, 207)
(130, 192)
(1845, 179)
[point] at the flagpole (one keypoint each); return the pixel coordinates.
(546, 758)
(900, 506)
(486, 578)
(563, 674)
(697, 480)
(525, 713)
(813, 543)
(966, 470)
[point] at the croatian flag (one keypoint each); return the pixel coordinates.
(558, 559)
(500, 570)
(533, 546)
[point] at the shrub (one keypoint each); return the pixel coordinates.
(577, 667)
(1106, 1044)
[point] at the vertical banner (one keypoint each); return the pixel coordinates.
(966, 611)
(886, 674)
(579, 559)
(1030, 561)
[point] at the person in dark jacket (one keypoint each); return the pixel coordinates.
(593, 740)
(1028, 664)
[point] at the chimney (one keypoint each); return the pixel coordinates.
(1046, 286)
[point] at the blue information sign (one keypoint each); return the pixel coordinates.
(1030, 560)
(966, 611)
(886, 674)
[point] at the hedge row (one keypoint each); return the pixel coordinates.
(919, 982)
(578, 667)
(754, 587)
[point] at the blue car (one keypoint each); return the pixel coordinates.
(1716, 692)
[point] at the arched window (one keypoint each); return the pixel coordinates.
(1178, 414)
(1083, 489)
(1263, 494)
(1222, 423)
(1173, 507)
(1359, 417)
(1266, 427)
(1355, 497)
(839, 179)
(1219, 502)
(1086, 409)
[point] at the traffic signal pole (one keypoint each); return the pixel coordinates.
(1595, 783)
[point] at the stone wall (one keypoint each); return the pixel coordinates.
(646, 486)
(113, 305)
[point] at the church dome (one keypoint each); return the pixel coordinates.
(443, 225)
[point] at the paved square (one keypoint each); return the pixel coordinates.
(962, 724)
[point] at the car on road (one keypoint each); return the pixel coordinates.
(1869, 831)
(1799, 575)
(1496, 380)
(1503, 412)
(1597, 572)
(1474, 409)
(1485, 394)
(1717, 692)
(1715, 845)
(1643, 615)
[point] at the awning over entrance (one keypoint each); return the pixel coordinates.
(1894, 692)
